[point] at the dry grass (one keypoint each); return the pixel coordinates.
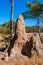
(4, 40)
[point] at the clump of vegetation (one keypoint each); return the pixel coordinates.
(33, 29)
(5, 28)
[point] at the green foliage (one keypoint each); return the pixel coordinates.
(36, 8)
(5, 28)
(33, 29)
(35, 11)
(7, 24)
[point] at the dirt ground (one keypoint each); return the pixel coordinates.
(20, 59)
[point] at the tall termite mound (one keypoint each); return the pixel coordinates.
(20, 31)
(20, 37)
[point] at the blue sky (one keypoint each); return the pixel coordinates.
(19, 7)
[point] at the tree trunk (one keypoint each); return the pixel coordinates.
(11, 27)
(11, 17)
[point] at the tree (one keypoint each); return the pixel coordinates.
(36, 9)
(11, 27)
(11, 17)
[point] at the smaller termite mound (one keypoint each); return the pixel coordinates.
(33, 46)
